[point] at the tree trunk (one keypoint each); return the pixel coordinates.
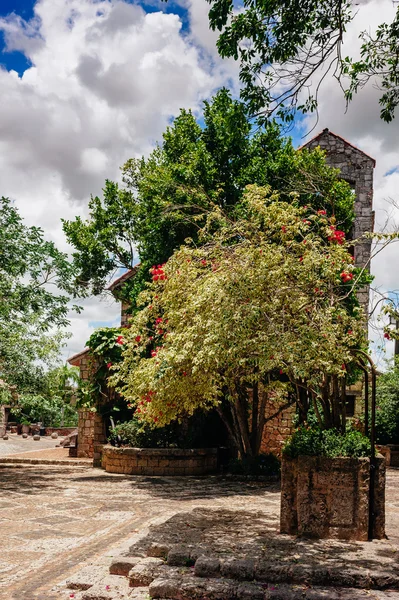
(255, 418)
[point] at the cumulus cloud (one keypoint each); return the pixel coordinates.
(105, 79)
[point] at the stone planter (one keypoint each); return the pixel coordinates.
(329, 497)
(159, 461)
(25, 428)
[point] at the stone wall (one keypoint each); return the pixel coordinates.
(159, 461)
(329, 497)
(278, 426)
(357, 169)
(91, 432)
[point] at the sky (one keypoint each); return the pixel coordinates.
(87, 84)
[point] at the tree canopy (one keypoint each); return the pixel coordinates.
(286, 49)
(263, 307)
(36, 284)
(165, 198)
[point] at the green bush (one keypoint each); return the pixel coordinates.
(199, 431)
(387, 413)
(264, 464)
(329, 442)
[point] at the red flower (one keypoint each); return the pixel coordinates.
(350, 332)
(203, 262)
(109, 365)
(138, 338)
(346, 277)
(387, 336)
(284, 229)
(153, 353)
(184, 374)
(157, 321)
(120, 340)
(155, 419)
(321, 212)
(300, 258)
(281, 371)
(343, 367)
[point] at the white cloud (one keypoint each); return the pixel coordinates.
(105, 80)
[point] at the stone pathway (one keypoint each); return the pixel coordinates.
(17, 444)
(57, 520)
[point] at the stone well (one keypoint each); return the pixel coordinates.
(329, 497)
(159, 461)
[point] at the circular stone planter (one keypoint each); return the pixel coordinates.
(329, 497)
(159, 461)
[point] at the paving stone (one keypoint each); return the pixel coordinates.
(121, 565)
(158, 550)
(139, 593)
(206, 566)
(164, 587)
(285, 592)
(179, 556)
(240, 569)
(111, 587)
(145, 571)
(250, 591)
(86, 577)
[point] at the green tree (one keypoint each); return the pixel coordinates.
(264, 307)
(387, 414)
(286, 48)
(36, 283)
(166, 197)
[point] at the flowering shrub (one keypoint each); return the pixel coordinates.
(265, 305)
(105, 346)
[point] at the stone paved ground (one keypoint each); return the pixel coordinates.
(54, 520)
(17, 444)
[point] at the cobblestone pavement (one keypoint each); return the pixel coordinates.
(17, 444)
(56, 519)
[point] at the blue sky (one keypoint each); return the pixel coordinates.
(24, 8)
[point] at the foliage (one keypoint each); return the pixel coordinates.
(200, 431)
(287, 48)
(314, 441)
(105, 346)
(166, 197)
(387, 413)
(266, 302)
(50, 411)
(255, 466)
(31, 268)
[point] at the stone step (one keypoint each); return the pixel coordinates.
(195, 588)
(9, 461)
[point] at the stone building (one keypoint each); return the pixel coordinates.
(91, 426)
(356, 168)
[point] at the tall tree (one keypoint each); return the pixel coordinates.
(36, 284)
(165, 198)
(286, 49)
(264, 307)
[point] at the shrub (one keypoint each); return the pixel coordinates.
(387, 413)
(199, 431)
(330, 443)
(263, 464)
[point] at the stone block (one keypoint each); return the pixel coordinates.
(241, 569)
(206, 566)
(145, 571)
(158, 550)
(250, 591)
(179, 556)
(35, 437)
(122, 565)
(325, 498)
(25, 435)
(163, 587)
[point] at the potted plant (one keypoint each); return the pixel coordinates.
(25, 425)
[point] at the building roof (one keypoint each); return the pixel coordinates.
(74, 360)
(121, 280)
(326, 130)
